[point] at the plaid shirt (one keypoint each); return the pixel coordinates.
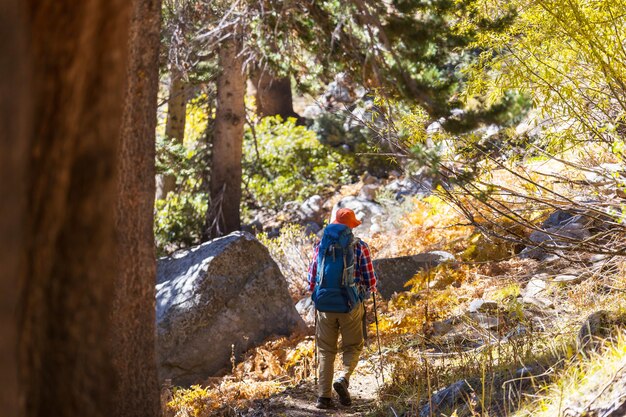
(363, 270)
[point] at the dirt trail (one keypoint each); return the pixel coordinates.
(299, 401)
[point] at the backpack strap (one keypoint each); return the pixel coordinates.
(347, 278)
(348, 273)
(343, 286)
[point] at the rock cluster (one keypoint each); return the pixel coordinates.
(560, 230)
(314, 212)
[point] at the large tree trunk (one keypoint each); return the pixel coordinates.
(175, 125)
(227, 142)
(133, 318)
(14, 141)
(273, 95)
(78, 52)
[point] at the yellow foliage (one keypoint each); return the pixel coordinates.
(194, 401)
(506, 293)
(265, 371)
(414, 310)
(282, 357)
(197, 401)
(432, 224)
(408, 122)
(196, 120)
(568, 55)
(482, 248)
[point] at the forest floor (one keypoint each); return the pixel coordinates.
(407, 352)
(539, 352)
(299, 400)
(495, 337)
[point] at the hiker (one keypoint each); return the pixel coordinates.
(340, 277)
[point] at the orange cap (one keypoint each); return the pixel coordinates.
(347, 217)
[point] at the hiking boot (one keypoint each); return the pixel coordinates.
(341, 386)
(324, 403)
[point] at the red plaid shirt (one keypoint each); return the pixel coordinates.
(363, 272)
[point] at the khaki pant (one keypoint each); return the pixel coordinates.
(329, 326)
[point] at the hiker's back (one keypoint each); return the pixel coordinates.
(335, 290)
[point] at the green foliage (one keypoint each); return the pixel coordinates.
(179, 219)
(329, 127)
(410, 49)
(183, 161)
(284, 162)
(360, 137)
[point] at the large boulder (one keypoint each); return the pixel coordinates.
(224, 293)
(393, 273)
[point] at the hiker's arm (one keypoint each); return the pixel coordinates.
(313, 268)
(368, 277)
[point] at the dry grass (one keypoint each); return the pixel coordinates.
(292, 250)
(222, 399)
(420, 361)
(265, 371)
(423, 364)
(597, 382)
(431, 224)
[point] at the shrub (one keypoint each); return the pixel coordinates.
(359, 131)
(284, 162)
(179, 218)
(178, 221)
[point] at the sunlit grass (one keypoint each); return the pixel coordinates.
(582, 383)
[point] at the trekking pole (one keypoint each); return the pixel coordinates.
(315, 349)
(380, 354)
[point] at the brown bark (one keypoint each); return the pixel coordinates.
(14, 140)
(273, 95)
(78, 52)
(227, 141)
(176, 107)
(175, 124)
(133, 315)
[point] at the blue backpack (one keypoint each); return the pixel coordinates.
(335, 290)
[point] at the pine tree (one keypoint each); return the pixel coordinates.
(133, 312)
